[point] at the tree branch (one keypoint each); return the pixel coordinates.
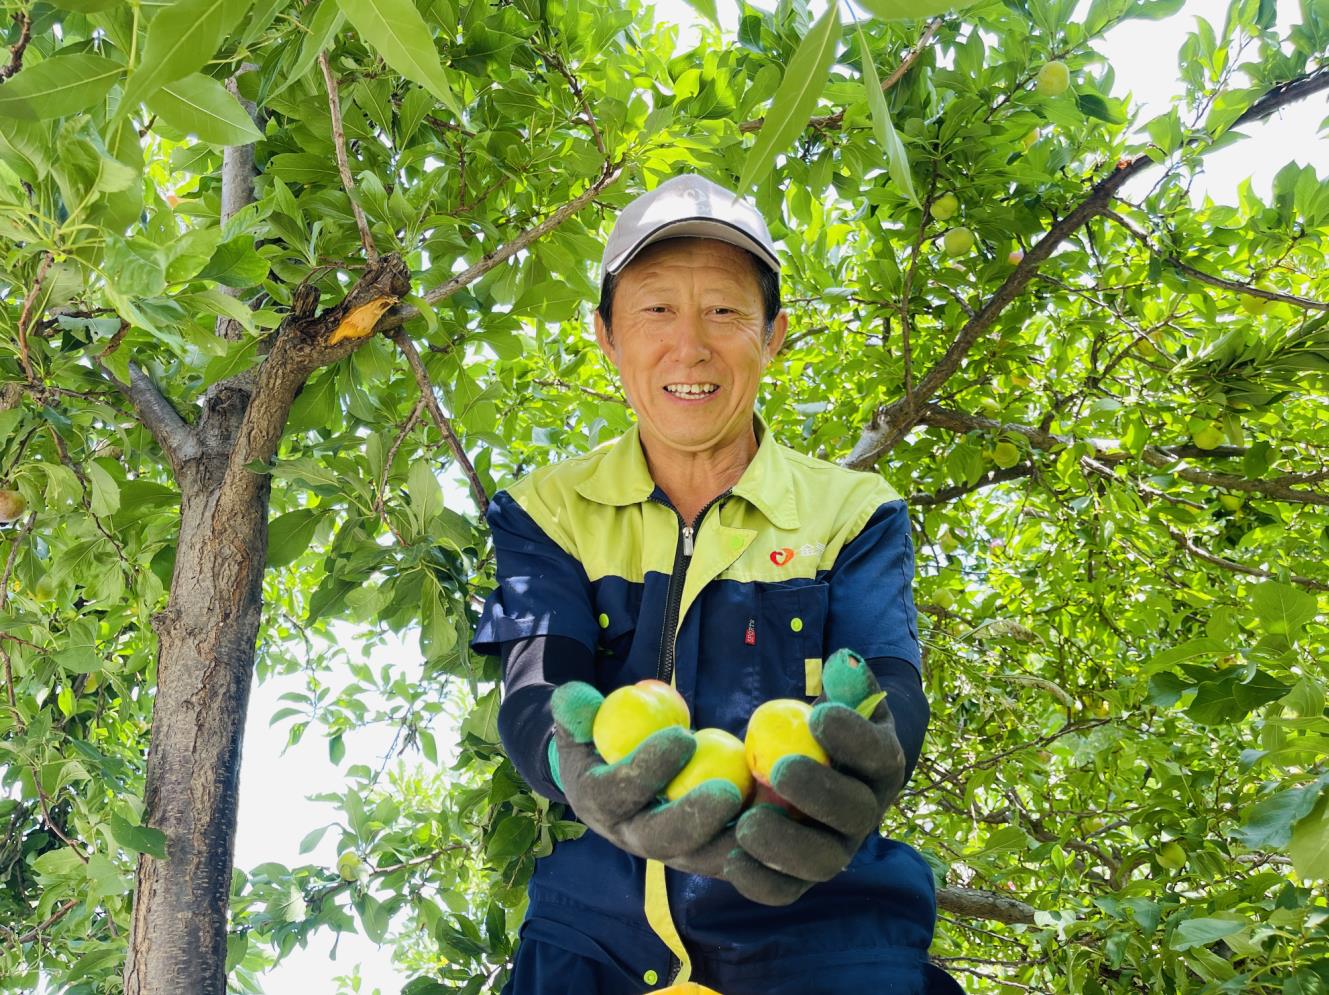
(1189, 545)
(1107, 452)
(237, 192)
(25, 315)
(16, 54)
(1214, 281)
(408, 349)
(173, 434)
(339, 144)
(975, 904)
(891, 423)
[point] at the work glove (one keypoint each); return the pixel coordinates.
(620, 801)
(778, 857)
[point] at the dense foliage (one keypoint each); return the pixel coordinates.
(1110, 414)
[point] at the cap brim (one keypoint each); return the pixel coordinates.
(701, 228)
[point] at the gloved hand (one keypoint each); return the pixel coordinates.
(779, 857)
(620, 800)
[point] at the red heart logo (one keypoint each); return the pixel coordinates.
(782, 556)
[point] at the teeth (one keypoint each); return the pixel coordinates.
(691, 388)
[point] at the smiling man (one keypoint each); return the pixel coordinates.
(698, 551)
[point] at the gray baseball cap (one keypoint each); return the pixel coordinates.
(687, 205)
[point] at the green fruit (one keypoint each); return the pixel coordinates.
(945, 599)
(945, 206)
(1053, 79)
(1256, 306)
(1208, 437)
(949, 544)
(957, 241)
(12, 505)
(1231, 501)
(1029, 139)
(1006, 454)
(348, 866)
(43, 590)
(1172, 856)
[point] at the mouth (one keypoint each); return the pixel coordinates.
(691, 392)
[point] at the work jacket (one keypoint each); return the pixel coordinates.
(799, 558)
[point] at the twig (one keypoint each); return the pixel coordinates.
(48, 922)
(557, 62)
(427, 395)
(177, 439)
(16, 54)
(409, 424)
(1215, 281)
(43, 801)
(339, 144)
(1189, 545)
(598, 395)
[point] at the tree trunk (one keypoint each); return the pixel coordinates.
(207, 637)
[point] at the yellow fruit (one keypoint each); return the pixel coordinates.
(1029, 139)
(1256, 306)
(1230, 501)
(629, 714)
(945, 206)
(957, 241)
(1053, 79)
(1020, 380)
(12, 505)
(1005, 454)
(1172, 856)
(1208, 437)
(1015, 257)
(348, 866)
(43, 590)
(719, 754)
(777, 729)
(687, 988)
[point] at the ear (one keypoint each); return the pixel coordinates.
(779, 327)
(602, 336)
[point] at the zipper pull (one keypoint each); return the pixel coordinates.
(687, 540)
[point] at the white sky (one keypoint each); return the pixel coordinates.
(274, 815)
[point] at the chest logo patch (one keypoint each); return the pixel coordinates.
(781, 557)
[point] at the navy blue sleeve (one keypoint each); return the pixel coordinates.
(532, 668)
(871, 608)
(542, 589)
(909, 707)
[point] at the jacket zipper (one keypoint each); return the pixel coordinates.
(664, 670)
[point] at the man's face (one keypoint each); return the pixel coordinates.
(689, 342)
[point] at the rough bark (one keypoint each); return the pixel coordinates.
(207, 639)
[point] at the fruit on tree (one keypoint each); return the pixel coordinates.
(719, 754)
(1005, 454)
(349, 865)
(1029, 139)
(777, 729)
(945, 206)
(1053, 79)
(12, 505)
(945, 599)
(1172, 855)
(949, 544)
(44, 589)
(1015, 257)
(1256, 306)
(631, 713)
(957, 241)
(1232, 502)
(1209, 436)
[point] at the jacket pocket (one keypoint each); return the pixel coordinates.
(790, 622)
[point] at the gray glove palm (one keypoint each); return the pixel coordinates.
(620, 801)
(779, 858)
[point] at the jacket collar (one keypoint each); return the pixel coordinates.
(623, 478)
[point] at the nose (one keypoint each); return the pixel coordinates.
(690, 342)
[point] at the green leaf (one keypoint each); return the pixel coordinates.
(236, 263)
(908, 10)
(1268, 823)
(105, 491)
(897, 160)
(312, 839)
(58, 87)
(1282, 608)
(1154, 10)
(1095, 106)
(336, 750)
(1202, 932)
(804, 80)
(513, 837)
(322, 26)
(1004, 839)
(181, 39)
(1309, 847)
(706, 8)
(199, 105)
(289, 535)
(395, 29)
(140, 839)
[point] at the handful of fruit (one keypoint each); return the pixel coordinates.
(777, 729)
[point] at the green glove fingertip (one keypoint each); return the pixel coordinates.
(575, 704)
(846, 678)
(553, 764)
